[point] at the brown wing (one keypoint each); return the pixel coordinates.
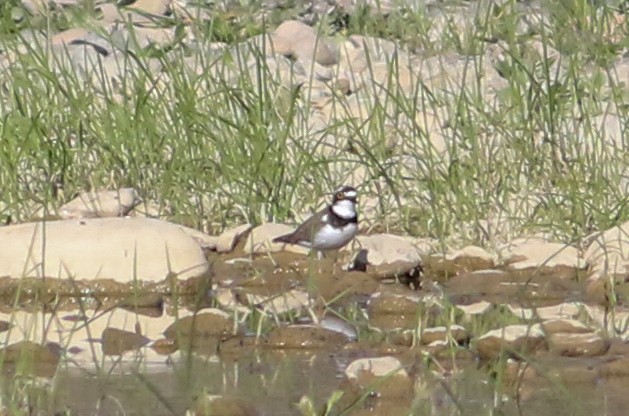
(304, 232)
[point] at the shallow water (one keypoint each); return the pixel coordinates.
(107, 348)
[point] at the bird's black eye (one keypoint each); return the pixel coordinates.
(340, 195)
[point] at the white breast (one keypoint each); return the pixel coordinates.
(331, 238)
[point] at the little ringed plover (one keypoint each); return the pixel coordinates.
(331, 228)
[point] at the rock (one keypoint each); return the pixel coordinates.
(440, 333)
(304, 337)
(206, 242)
(577, 344)
(616, 324)
(209, 323)
(77, 334)
(567, 311)
(109, 13)
(358, 51)
(440, 73)
(259, 240)
(117, 341)
(562, 311)
(69, 36)
(492, 284)
(516, 371)
(154, 7)
(27, 357)
(520, 339)
(376, 7)
(569, 326)
(386, 376)
(604, 132)
(101, 204)
(543, 258)
(408, 273)
(295, 39)
(227, 300)
(389, 312)
(230, 237)
(354, 284)
(608, 255)
(571, 372)
(123, 249)
(477, 308)
(388, 249)
(378, 367)
(472, 258)
(143, 37)
(468, 259)
(294, 300)
(222, 406)
(616, 367)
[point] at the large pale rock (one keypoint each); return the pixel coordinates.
(123, 249)
(105, 203)
(296, 39)
(543, 258)
(523, 339)
(388, 249)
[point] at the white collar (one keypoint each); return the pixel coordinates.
(345, 209)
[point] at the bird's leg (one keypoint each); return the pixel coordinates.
(320, 255)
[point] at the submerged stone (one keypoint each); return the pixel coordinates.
(575, 344)
(304, 337)
(117, 341)
(27, 357)
(511, 339)
(209, 323)
(222, 406)
(385, 377)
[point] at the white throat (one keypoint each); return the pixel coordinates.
(345, 209)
